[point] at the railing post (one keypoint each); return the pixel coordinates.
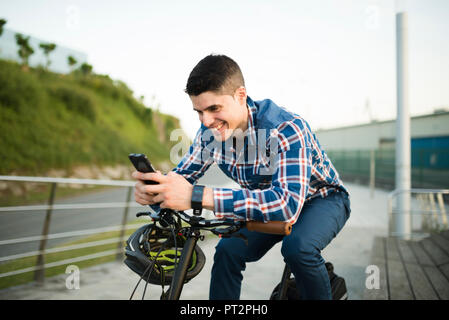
(372, 173)
(442, 209)
(124, 220)
(39, 274)
(390, 214)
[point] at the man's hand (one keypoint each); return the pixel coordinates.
(173, 191)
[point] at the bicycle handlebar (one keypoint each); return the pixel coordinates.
(271, 227)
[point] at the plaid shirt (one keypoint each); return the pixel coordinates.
(288, 168)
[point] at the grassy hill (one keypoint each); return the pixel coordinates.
(56, 121)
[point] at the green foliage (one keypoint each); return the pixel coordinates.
(86, 69)
(47, 48)
(72, 62)
(19, 90)
(2, 23)
(54, 121)
(25, 50)
(75, 100)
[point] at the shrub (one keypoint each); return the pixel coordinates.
(18, 89)
(76, 100)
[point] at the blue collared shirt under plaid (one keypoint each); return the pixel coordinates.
(279, 165)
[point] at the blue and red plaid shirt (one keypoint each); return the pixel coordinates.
(286, 168)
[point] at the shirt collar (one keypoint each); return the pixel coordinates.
(252, 111)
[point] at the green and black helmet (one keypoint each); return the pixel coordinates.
(155, 245)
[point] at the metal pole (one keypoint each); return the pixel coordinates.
(39, 274)
(372, 172)
(403, 155)
(124, 220)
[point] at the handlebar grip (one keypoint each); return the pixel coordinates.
(272, 227)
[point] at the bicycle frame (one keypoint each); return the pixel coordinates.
(181, 269)
(284, 284)
(192, 234)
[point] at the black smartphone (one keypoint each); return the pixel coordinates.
(142, 164)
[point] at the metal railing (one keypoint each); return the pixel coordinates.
(429, 167)
(39, 268)
(427, 214)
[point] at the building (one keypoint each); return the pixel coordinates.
(58, 58)
(353, 148)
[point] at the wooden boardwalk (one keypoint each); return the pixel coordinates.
(411, 270)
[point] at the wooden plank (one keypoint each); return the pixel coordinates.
(445, 234)
(406, 252)
(421, 255)
(392, 249)
(421, 286)
(439, 282)
(419, 282)
(378, 259)
(445, 270)
(441, 241)
(437, 254)
(398, 283)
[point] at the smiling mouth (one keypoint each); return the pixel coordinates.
(219, 126)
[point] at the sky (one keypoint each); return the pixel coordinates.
(330, 61)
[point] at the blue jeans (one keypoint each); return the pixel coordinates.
(319, 222)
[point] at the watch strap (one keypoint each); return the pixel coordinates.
(197, 199)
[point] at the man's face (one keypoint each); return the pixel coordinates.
(223, 114)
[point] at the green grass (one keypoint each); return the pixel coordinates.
(55, 121)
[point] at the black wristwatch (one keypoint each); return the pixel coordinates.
(197, 199)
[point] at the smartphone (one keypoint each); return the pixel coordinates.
(142, 164)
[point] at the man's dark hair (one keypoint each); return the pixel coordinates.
(216, 73)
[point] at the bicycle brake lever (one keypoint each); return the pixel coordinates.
(154, 216)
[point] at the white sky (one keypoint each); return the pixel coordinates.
(322, 59)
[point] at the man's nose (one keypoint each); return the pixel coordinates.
(208, 120)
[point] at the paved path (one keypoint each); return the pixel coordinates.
(349, 252)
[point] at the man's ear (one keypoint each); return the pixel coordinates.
(240, 95)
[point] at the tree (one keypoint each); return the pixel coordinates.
(86, 69)
(48, 48)
(72, 62)
(2, 23)
(25, 50)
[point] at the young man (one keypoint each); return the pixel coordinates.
(283, 172)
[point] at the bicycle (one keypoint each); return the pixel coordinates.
(168, 227)
(170, 223)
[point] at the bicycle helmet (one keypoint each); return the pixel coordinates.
(154, 244)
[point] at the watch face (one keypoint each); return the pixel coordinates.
(197, 195)
(197, 199)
